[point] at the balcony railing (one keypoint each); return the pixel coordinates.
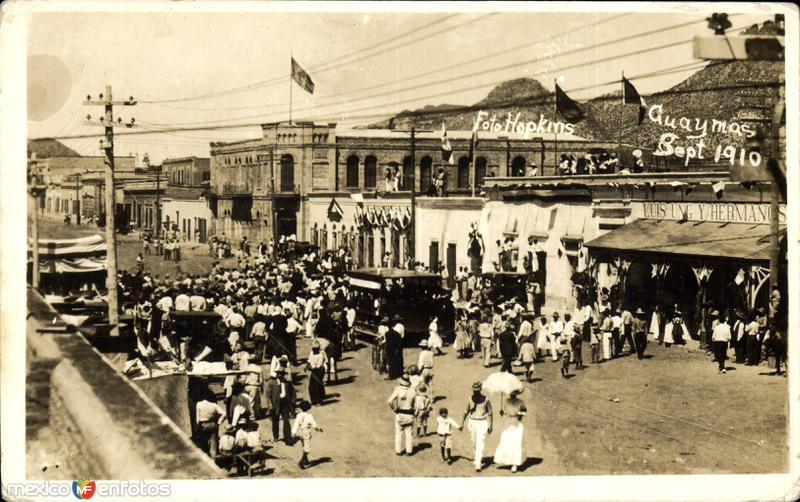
(240, 189)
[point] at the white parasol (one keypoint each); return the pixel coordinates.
(502, 382)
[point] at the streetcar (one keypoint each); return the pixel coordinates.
(406, 296)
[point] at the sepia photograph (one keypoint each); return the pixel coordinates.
(279, 241)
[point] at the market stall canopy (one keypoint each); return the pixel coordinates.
(741, 241)
(83, 246)
(81, 255)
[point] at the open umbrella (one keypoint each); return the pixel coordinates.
(502, 382)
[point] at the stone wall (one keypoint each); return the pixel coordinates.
(99, 425)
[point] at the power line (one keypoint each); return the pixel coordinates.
(425, 73)
(318, 68)
(518, 102)
(450, 80)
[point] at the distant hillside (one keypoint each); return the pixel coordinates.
(50, 148)
(710, 93)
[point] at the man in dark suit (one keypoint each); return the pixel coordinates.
(394, 353)
(279, 405)
(508, 345)
(279, 335)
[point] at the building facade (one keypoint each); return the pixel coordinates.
(72, 184)
(296, 167)
(186, 171)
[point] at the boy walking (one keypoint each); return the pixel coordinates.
(444, 429)
(576, 344)
(594, 342)
(422, 408)
(303, 428)
(527, 354)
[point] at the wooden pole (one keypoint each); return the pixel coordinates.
(775, 196)
(35, 223)
(621, 121)
(273, 212)
(111, 237)
(413, 235)
(555, 130)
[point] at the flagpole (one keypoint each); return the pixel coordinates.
(555, 129)
(621, 122)
(291, 71)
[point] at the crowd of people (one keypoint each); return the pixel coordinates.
(255, 312)
(166, 243)
(598, 163)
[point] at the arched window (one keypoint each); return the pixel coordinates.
(351, 178)
(463, 172)
(408, 169)
(287, 173)
(480, 170)
(518, 166)
(425, 173)
(370, 171)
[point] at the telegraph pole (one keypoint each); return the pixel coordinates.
(77, 178)
(412, 240)
(33, 182)
(158, 203)
(273, 212)
(107, 146)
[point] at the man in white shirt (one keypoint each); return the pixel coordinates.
(293, 328)
(720, 338)
(197, 303)
(235, 320)
(182, 302)
(165, 303)
(753, 352)
(525, 330)
(556, 329)
(616, 331)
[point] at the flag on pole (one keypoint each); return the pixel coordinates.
(300, 76)
(447, 150)
(473, 145)
(630, 96)
(567, 108)
(719, 188)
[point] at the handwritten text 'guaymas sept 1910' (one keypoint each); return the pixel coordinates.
(696, 130)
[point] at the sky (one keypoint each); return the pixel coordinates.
(365, 65)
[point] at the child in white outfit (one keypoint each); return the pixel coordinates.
(444, 429)
(303, 427)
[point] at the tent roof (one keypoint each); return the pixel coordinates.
(742, 241)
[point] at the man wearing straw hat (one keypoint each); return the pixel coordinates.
(402, 404)
(479, 413)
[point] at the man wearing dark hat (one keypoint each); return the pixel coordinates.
(402, 404)
(279, 404)
(479, 414)
(639, 327)
(394, 353)
(508, 345)
(739, 337)
(753, 344)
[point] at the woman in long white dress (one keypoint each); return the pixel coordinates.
(509, 450)
(434, 339)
